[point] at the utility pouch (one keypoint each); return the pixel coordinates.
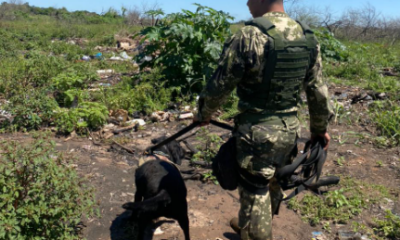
(225, 167)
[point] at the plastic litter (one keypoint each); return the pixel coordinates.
(186, 116)
(148, 58)
(347, 235)
(86, 58)
(98, 56)
(116, 59)
(106, 71)
(140, 121)
(318, 236)
(125, 56)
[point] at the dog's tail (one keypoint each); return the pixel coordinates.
(150, 204)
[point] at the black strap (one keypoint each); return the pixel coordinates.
(186, 130)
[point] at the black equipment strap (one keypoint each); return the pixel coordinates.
(186, 130)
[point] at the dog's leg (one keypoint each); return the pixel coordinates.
(143, 225)
(183, 221)
(138, 196)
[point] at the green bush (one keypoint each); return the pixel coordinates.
(331, 48)
(42, 196)
(188, 45)
(87, 115)
(149, 94)
(31, 108)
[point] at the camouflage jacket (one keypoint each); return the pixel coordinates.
(242, 60)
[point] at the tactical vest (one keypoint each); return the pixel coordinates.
(286, 66)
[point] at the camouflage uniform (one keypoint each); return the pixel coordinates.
(262, 146)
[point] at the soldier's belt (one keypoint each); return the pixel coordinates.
(249, 117)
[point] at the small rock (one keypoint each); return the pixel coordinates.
(211, 193)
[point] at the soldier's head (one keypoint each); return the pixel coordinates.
(260, 7)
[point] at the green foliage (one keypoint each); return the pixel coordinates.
(42, 195)
(209, 147)
(339, 205)
(386, 116)
(66, 81)
(389, 227)
(209, 177)
(331, 48)
(31, 108)
(188, 45)
(87, 115)
(148, 95)
(363, 67)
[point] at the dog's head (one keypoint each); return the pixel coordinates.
(173, 150)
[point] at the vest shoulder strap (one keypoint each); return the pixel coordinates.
(267, 27)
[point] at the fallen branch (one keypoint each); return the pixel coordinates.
(125, 148)
(124, 129)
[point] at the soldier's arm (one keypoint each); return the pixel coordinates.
(240, 57)
(317, 98)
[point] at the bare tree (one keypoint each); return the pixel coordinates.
(137, 15)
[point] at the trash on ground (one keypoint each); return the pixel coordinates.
(4, 115)
(348, 235)
(186, 116)
(116, 58)
(106, 71)
(126, 43)
(98, 56)
(141, 122)
(318, 236)
(86, 58)
(125, 56)
(160, 116)
(120, 114)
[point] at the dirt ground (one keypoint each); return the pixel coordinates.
(111, 170)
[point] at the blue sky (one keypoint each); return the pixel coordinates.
(236, 8)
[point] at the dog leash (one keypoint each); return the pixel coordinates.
(186, 130)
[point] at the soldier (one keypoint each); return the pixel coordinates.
(269, 61)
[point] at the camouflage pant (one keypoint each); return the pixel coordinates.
(261, 148)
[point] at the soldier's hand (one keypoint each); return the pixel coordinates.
(203, 122)
(324, 136)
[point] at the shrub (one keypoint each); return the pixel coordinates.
(149, 94)
(188, 45)
(42, 195)
(87, 115)
(31, 108)
(331, 48)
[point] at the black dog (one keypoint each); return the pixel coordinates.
(160, 192)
